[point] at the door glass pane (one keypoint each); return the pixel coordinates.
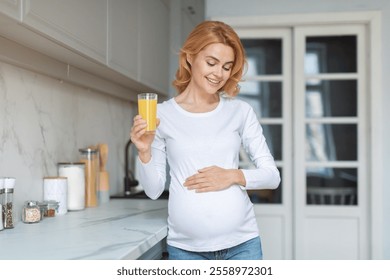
(264, 97)
(331, 98)
(331, 54)
(331, 186)
(264, 56)
(331, 142)
(273, 136)
(267, 196)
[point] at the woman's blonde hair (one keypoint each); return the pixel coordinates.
(206, 33)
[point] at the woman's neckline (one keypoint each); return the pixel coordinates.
(198, 114)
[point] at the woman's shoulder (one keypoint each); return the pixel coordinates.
(165, 105)
(237, 103)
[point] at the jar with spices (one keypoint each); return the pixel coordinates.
(8, 220)
(1, 203)
(31, 212)
(91, 159)
(52, 208)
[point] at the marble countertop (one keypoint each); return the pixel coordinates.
(119, 229)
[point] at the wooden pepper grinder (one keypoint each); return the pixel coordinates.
(104, 183)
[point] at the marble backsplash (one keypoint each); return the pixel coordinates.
(44, 121)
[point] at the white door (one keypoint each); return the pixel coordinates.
(330, 167)
(267, 87)
(308, 87)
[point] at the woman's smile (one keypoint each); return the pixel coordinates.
(213, 81)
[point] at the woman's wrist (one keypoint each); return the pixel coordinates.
(145, 156)
(239, 177)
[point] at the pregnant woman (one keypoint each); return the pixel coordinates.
(199, 135)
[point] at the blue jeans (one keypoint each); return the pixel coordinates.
(249, 250)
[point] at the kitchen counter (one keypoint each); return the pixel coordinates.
(119, 229)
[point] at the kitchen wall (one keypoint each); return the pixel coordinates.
(231, 8)
(44, 121)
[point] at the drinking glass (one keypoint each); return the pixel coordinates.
(147, 108)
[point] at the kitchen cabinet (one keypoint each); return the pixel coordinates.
(10, 8)
(131, 37)
(117, 47)
(138, 41)
(153, 44)
(123, 36)
(79, 25)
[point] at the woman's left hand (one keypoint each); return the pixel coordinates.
(214, 178)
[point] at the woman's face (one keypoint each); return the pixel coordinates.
(211, 68)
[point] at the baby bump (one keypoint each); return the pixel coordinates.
(208, 215)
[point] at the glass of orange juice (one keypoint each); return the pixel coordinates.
(147, 108)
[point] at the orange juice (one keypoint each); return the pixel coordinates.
(147, 108)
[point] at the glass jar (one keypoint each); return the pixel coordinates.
(31, 212)
(91, 159)
(1, 203)
(8, 220)
(52, 208)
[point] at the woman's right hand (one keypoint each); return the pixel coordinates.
(141, 138)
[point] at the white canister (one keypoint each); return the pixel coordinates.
(56, 188)
(75, 172)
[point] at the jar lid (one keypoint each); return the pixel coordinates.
(88, 151)
(42, 205)
(55, 177)
(9, 182)
(64, 164)
(51, 203)
(31, 203)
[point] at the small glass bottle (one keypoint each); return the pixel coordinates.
(91, 159)
(31, 212)
(8, 220)
(52, 208)
(1, 203)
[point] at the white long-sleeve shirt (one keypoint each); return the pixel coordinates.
(191, 141)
